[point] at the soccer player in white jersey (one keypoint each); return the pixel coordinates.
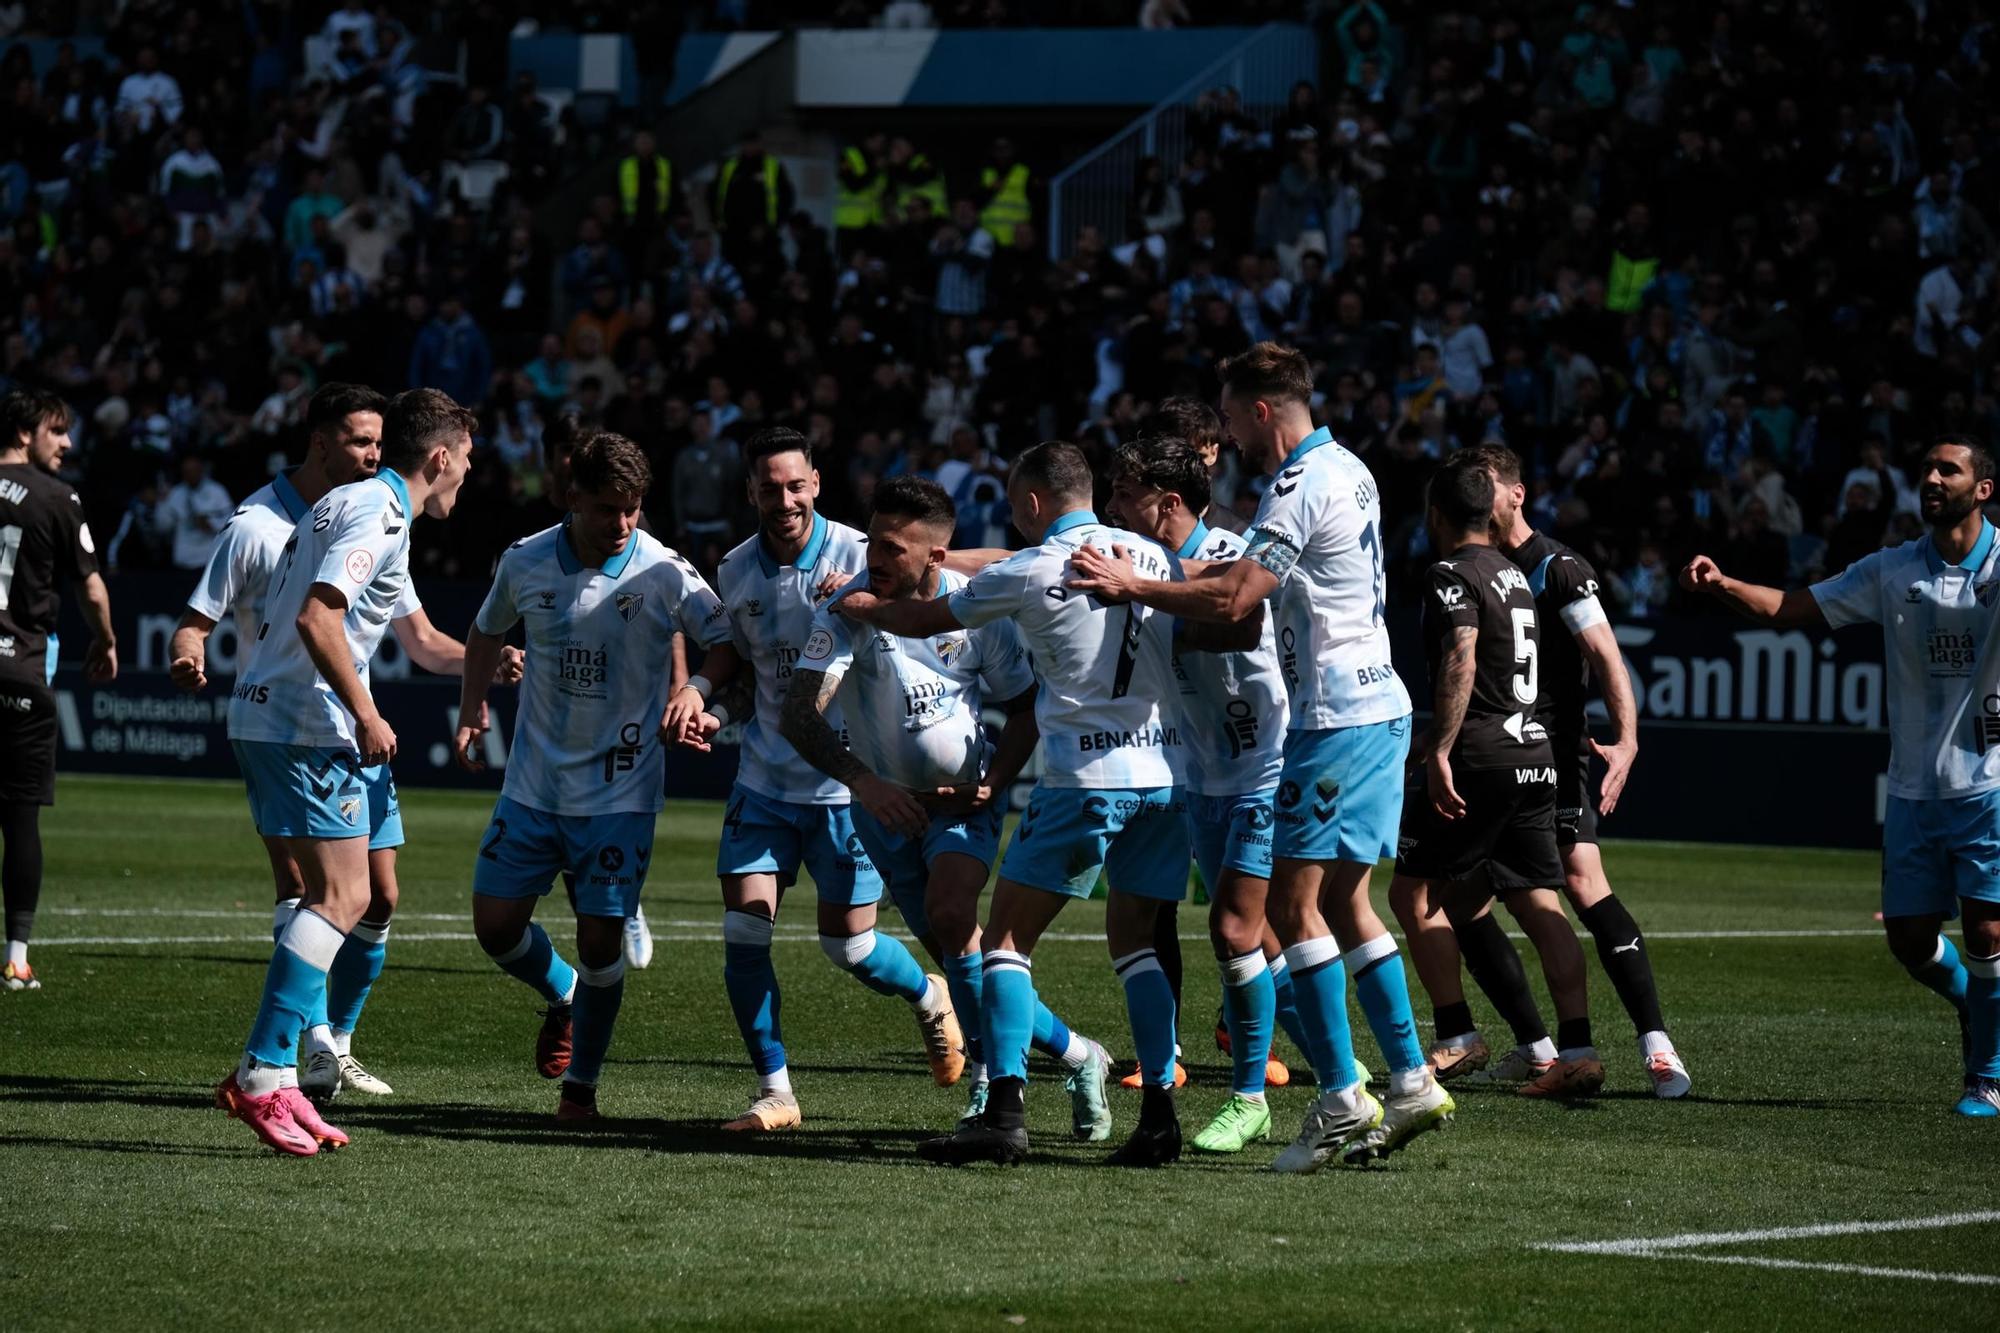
(1316, 544)
(1936, 600)
(1106, 800)
(306, 732)
(783, 812)
(930, 790)
(344, 440)
(1233, 732)
(601, 601)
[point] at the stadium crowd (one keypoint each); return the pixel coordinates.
(1718, 272)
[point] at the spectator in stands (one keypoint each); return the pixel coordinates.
(452, 354)
(149, 97)
(193, 513)
(752, 191)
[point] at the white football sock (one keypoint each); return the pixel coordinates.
(934, 1000)
(343, 1042)
(319, 1037)
(17, 952)
(1654, 1043)
(1543, 1049)
(777, 1083)
(1077, 1054)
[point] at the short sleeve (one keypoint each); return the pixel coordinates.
(223, 580)
(828, 649)
(1278, 533)
(1570, 586)
(498, 613)
(407, 603)
(699, 612)
(995, 592)
(361, 542)
(74, 546)
(1449, 599)
(1004, 669)
(1853, 596)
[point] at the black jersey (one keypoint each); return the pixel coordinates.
(1565, 591)
(1480, 588)
(43, 540)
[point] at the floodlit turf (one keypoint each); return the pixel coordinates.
(1823, 1082)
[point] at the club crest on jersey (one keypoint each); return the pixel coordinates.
(350, 808)
(628, 604)
(948, 649)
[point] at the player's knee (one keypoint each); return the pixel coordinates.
(383, 896)
(953, 918)
(1982, 937)
(848, 952)
(1233, 933)
(1914, 944)
(746, 938)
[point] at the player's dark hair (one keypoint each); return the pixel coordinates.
(1268, 373)
(1982, 457)
(26, 409)
(562, 435)
(1501, 461)
(1167, 464)
(1462, 493)
(1188, 419)
(777, 440)
(1058, 468)
(418, 421)
(920, 498)
(608, 462)
(334, 402)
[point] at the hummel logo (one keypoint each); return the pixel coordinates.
(1282, 489)
(1633, 947)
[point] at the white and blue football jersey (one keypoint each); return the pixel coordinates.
(913, 705)
(1319, 530)
(599, 642)
(1232, 705)
(771, 608)
(1941, 644)
(357, 539)
(1106, 672)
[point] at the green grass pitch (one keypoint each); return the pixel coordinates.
(1823, 1086)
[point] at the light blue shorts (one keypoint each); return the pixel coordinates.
(524, 849)
(1936, 852)
(763, 836)
(1231, 833)
(905, 863)
(1341, 795)
(311, 791)
(1137, 837)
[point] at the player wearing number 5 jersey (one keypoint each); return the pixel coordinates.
(1315, 549)
(1937, 600)
(601, 602)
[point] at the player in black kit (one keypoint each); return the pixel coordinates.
(1483, 822)
(43, 537)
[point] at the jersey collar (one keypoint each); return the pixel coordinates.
(389, 477)
(1324, 435)
(808, 556)
(1974, 558)
(1075, 518)
(1194, 541)
(569, 562)
(289, 498)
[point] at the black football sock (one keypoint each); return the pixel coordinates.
(1622, 951)
(1573, 1034)
(1452, 1020)
(1495, 964)
(21, 868)
(1167, 944)
(1007, 1103)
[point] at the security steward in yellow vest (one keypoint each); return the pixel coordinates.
(646, 197)
(752, 190)
(1003, 193)
(913, 175)
(859, 207)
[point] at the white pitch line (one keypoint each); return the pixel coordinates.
(1860, 1270)
(1650, 1244)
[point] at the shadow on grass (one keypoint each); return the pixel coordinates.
(488, 1124)
(144, 1147)
(126, 1092)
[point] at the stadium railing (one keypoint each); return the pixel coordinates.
(1096, 188)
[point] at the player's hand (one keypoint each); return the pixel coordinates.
(1444, 797)
(957, 802)
(860, 605)
(1617, 768)
(894, 808)
(695, 731)
(188, 674)
(101, 662)
(1701, 575)
(834, 581)
(513, 665)
(471, 739)
(375, 740)
(682, 709)
(1108, 578)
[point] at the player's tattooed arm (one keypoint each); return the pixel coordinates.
(804, 726)
(1454, 694)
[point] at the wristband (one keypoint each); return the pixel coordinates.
(700, 685)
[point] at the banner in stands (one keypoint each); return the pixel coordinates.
(1746, 735)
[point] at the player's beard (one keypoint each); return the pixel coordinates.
(1952, 510)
